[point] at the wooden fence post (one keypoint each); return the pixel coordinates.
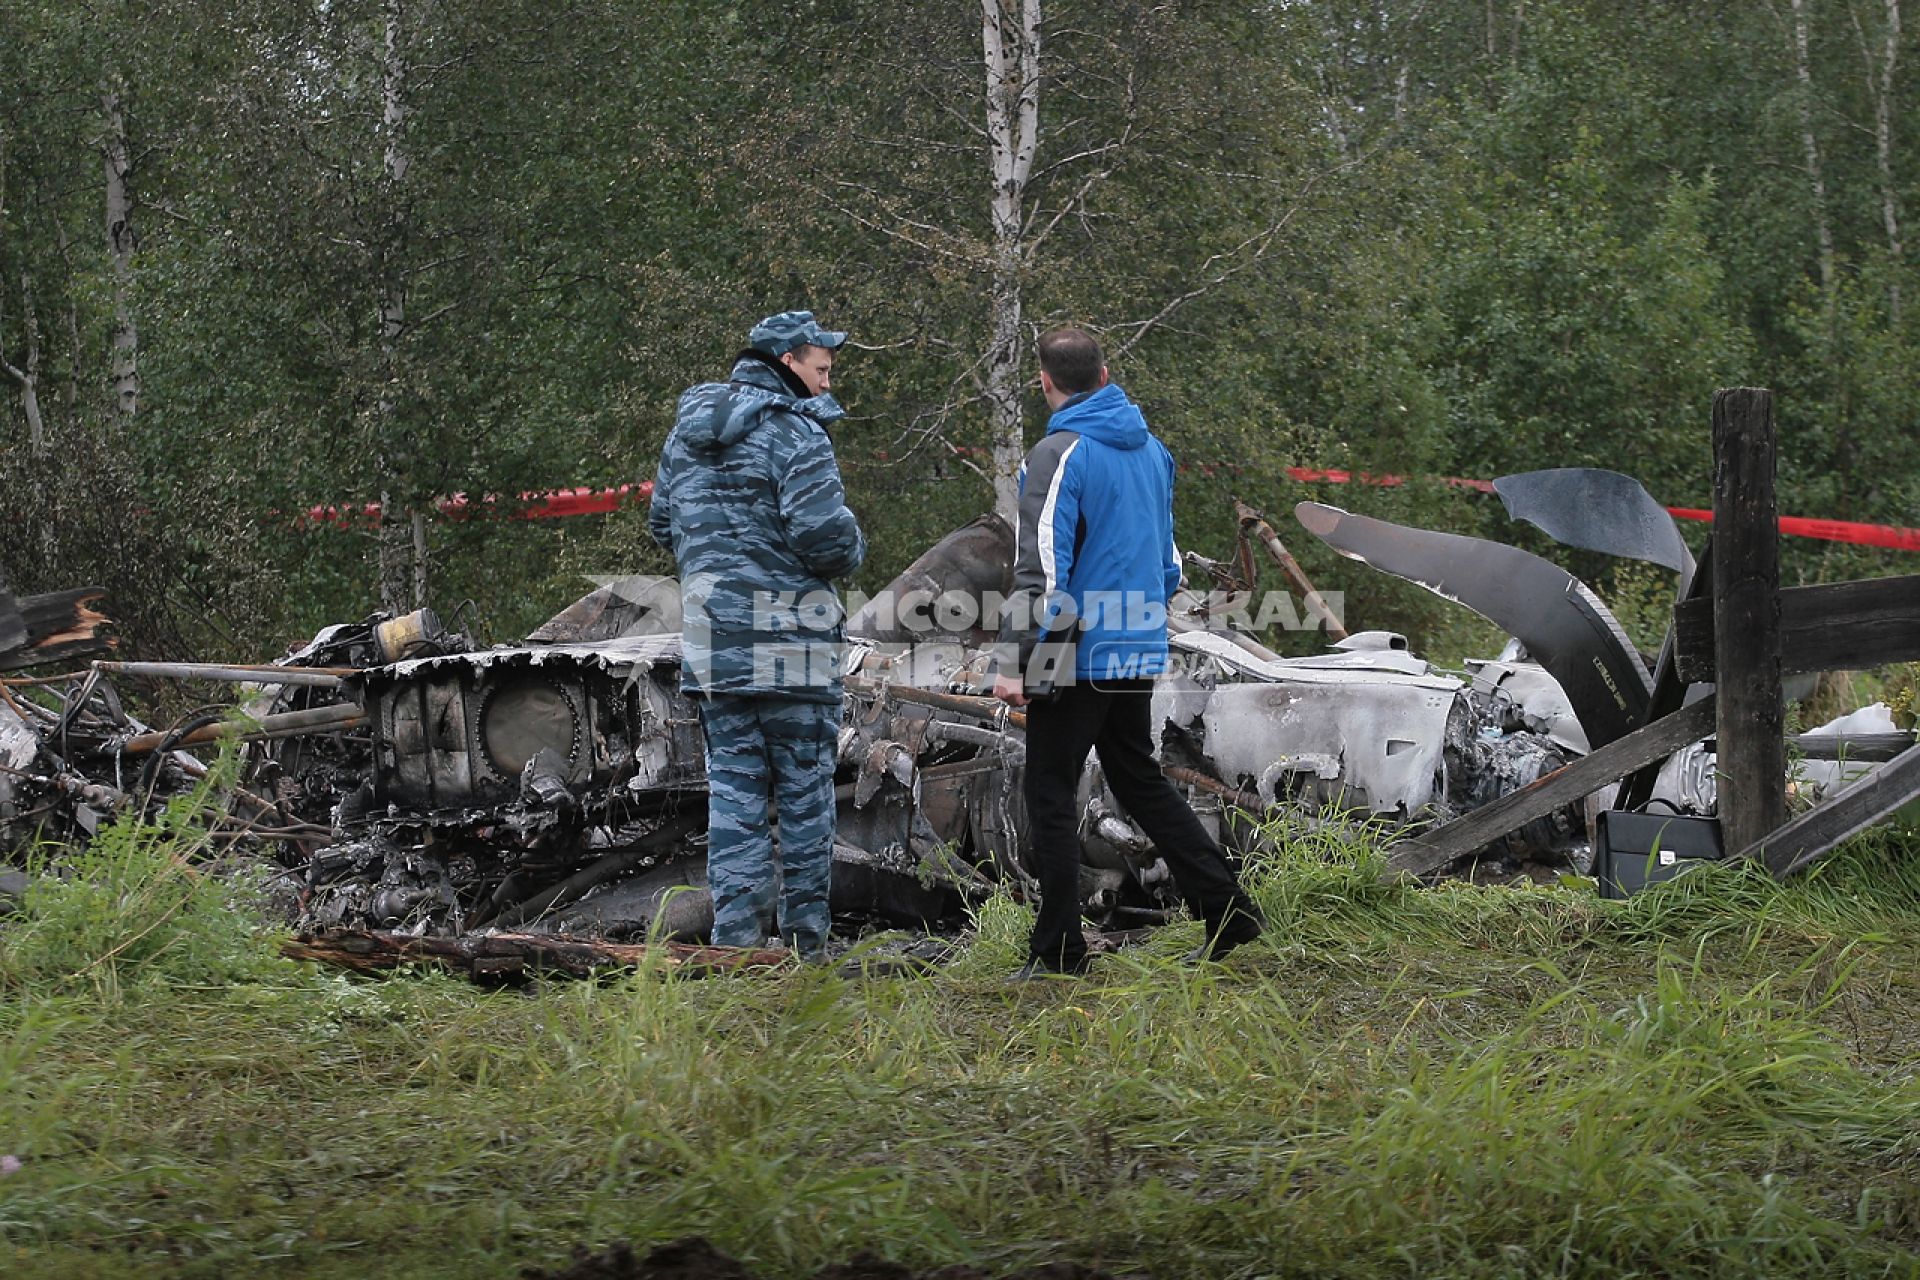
(1746, 618)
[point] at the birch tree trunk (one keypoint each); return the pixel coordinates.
(27, 379)
(121, 244)
(1803, 69)
(402, 537)
(1880, 86)
(72, 393)
(1010, 41)
(27, 376)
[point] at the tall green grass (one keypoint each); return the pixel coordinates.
(145, 904)
(1714, 1079)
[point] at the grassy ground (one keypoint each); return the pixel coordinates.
(1713, 1079)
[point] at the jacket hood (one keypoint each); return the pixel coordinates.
(1106, 415)
(715, 415)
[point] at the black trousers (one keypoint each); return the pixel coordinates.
(1115, 720)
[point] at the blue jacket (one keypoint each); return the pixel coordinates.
(1095, 561)
(748, 497)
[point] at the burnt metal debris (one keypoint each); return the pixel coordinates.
(405, 783)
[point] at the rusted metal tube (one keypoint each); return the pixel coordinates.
(1194, 778)
(197, 769)
(1257, 524)
(992, 710)
(231, 673)
(288, 724)
(993, 739)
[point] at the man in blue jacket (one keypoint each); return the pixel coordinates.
(1083, 635)
(748, 498)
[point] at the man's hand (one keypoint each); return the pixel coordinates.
(1009, 691)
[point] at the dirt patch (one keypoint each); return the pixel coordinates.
(689, 1259)
(694, 1258)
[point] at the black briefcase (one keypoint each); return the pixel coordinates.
(1634, 850)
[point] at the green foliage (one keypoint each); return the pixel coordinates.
(1903, 693)
(1573, 345)
(1395, 238)
(133, 913)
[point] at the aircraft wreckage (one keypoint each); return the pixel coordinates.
(405, 781)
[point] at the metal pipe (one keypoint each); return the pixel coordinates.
(197, 769)
(955, 769)
(288, 724)
(946, 731)
(231, 673)
(1194, 778)
(1257, 524)
(991, 710)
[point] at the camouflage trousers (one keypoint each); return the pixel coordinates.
(763, 749)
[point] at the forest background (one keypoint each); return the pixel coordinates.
(258, 255)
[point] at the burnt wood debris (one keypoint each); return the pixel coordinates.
(540, 807)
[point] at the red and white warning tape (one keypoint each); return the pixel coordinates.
(558, 503)
(1865, 535)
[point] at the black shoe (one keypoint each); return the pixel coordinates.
(1037, 970)
(1242, 925)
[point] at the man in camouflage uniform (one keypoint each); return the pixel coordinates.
(748, 498)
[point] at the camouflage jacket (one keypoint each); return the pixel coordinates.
(748, 498)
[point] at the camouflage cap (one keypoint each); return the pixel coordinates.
(777, 335)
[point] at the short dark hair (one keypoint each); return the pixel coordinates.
(1072, 359)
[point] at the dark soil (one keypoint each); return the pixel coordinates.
(695, 1259)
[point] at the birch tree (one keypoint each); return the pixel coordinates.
(26, 375)
(1880, 92)
(1010, 40)
(1810, 148)
(1116, 195)
(403, 527)
(117, 161)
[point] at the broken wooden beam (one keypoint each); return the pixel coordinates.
(1838, 626)
(1819, 830)
(57, 625)
(1855, 748)
(507, 955)
(1434, 849)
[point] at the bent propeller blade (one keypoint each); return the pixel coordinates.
(1564, 626)
(1597, 510)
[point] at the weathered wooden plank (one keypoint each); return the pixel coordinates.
(1859, 748)
(58, 625)
(1746, 617)
(56, 615)
(1816, 832)
(1839, 626)
(1436, 848)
